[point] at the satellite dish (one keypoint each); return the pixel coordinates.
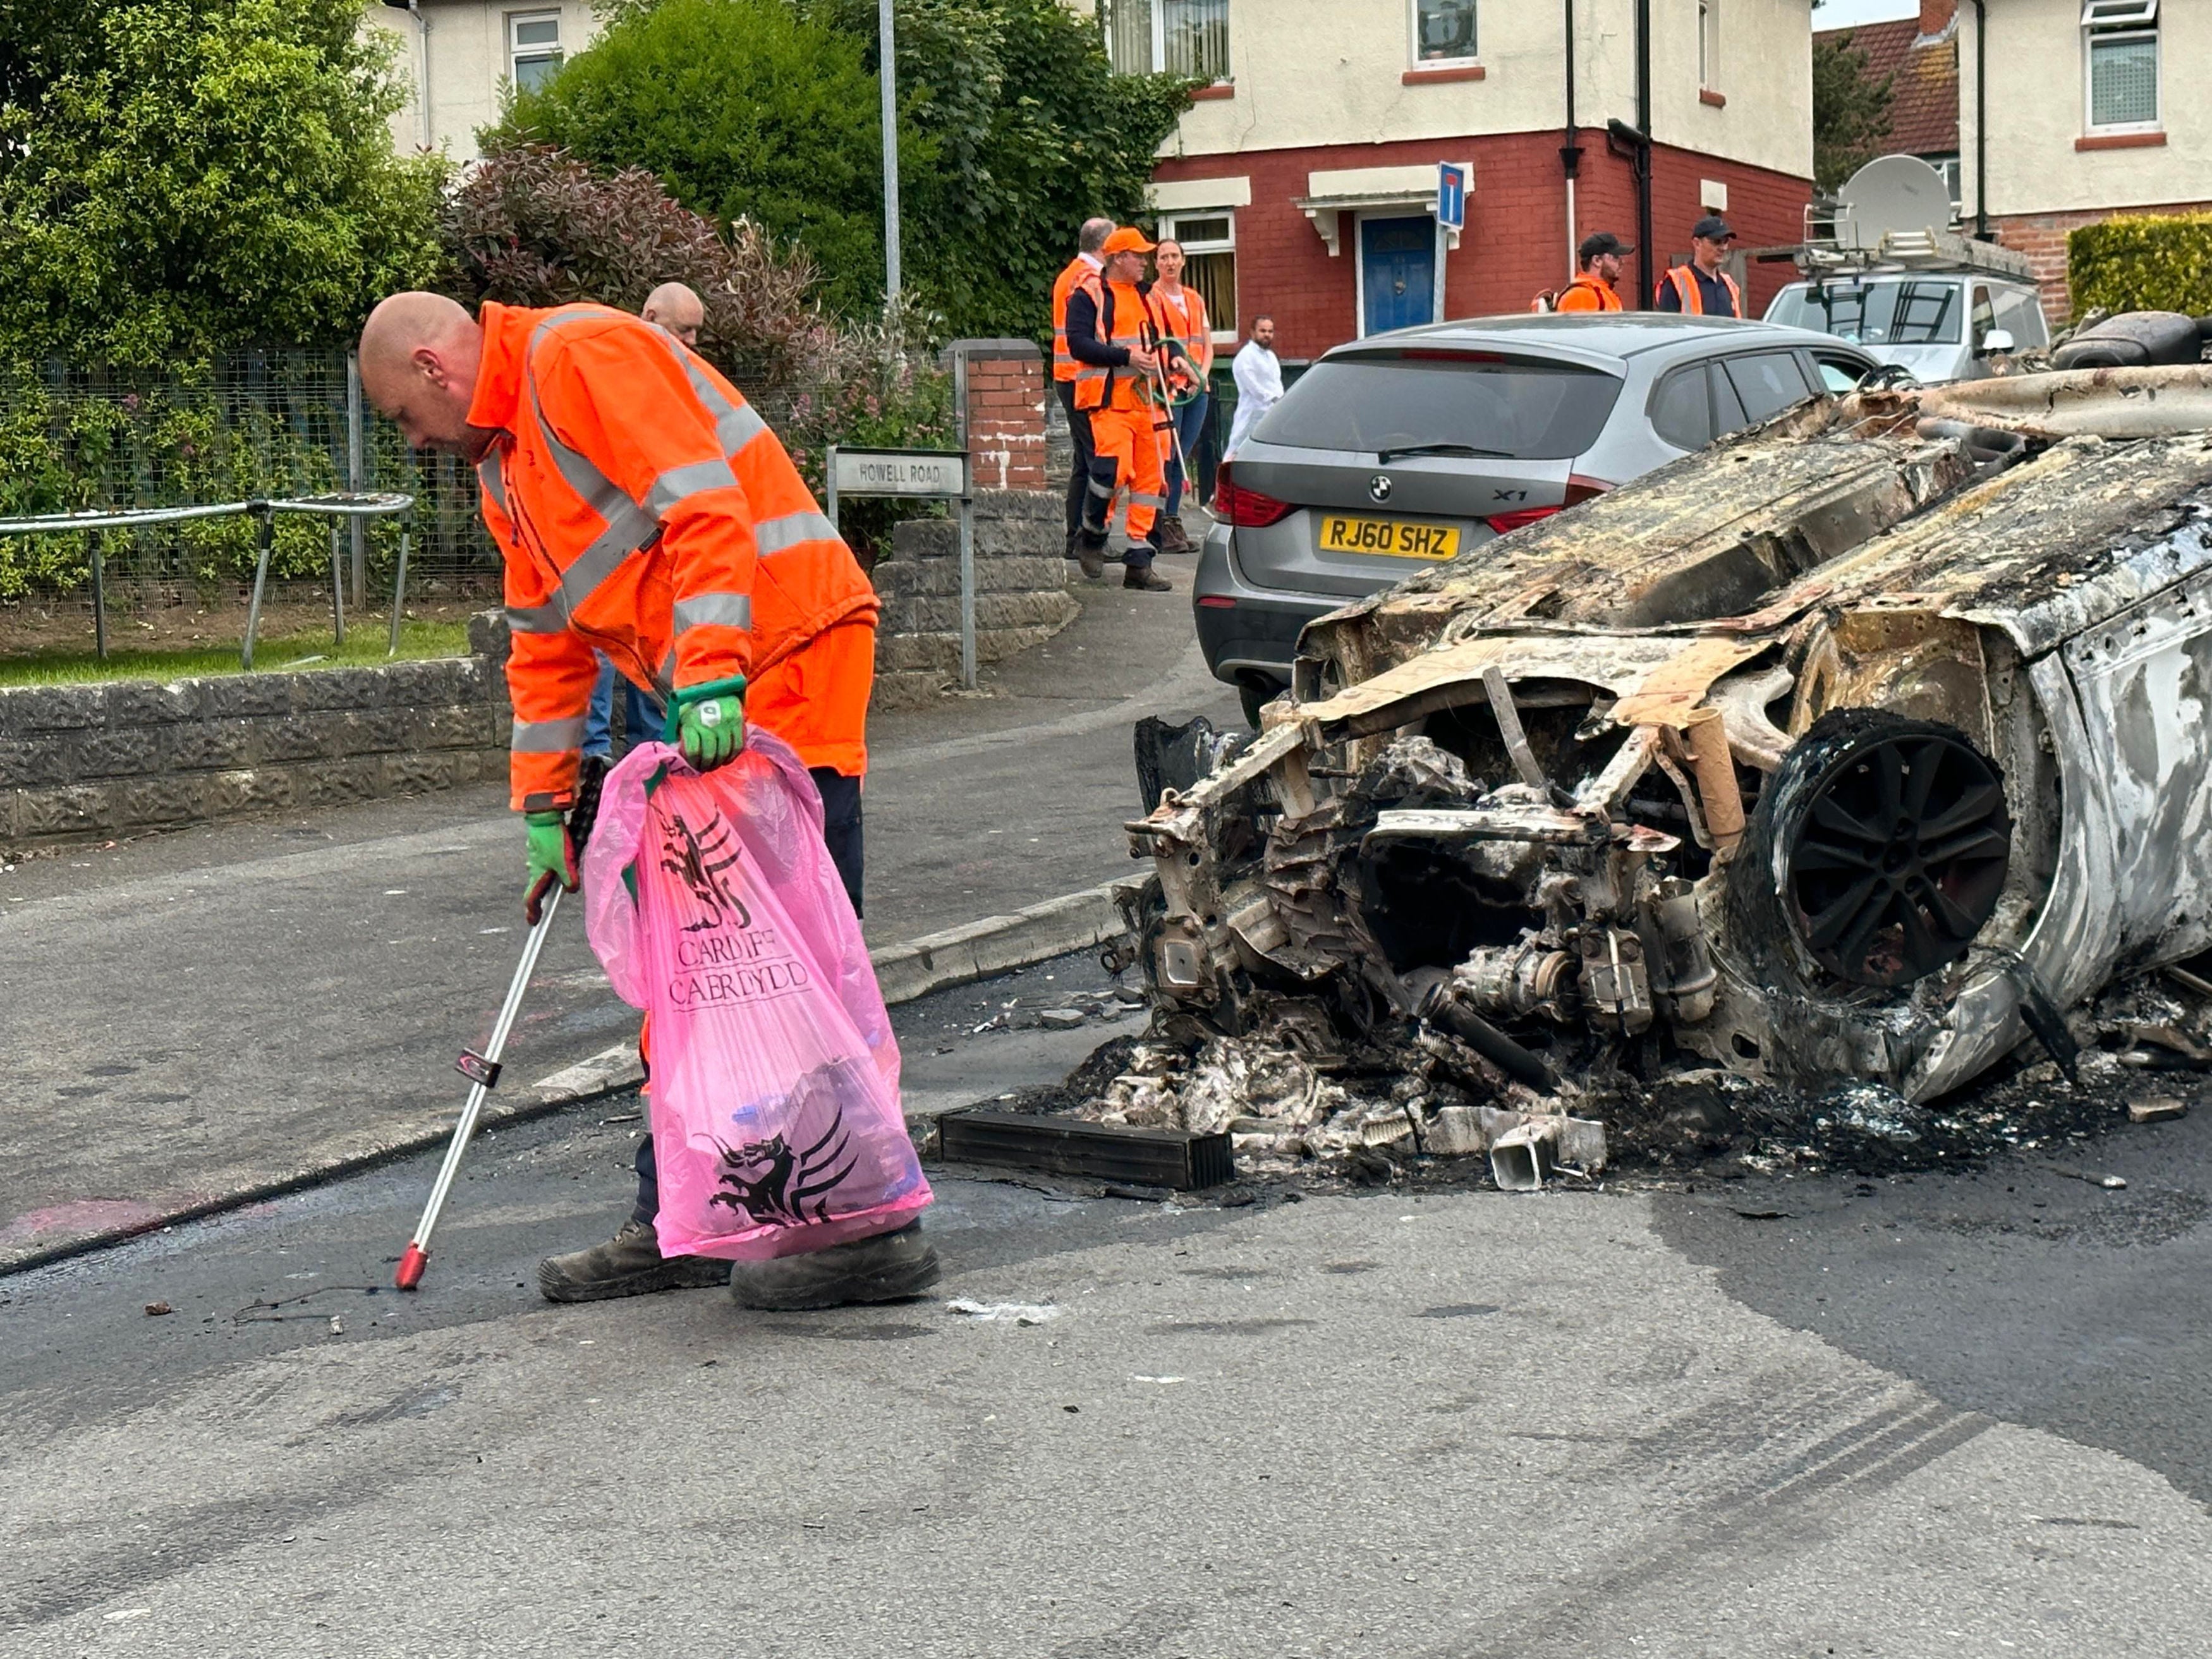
(1892, 192)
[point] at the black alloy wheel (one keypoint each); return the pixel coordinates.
(1896, 851)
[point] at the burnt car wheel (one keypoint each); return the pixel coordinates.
(1882, 842)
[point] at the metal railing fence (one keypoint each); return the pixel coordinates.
(256, 425)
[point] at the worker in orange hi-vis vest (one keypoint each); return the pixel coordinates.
(1183, 316)
(1088, 261)
(643, 509)
(1595, 286)
(1702, 288)
(1113, 331)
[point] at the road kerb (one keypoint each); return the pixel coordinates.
(997, 944)
(957, 955)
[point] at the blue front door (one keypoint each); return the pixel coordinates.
(1398, 271)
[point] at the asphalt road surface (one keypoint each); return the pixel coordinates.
(188, 1017)
(1754, 1420)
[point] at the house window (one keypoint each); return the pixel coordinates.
(533, 48)
(1443, 30)
(1709, 45)
(1209, 246)
(1184, 37)
(1948, 166)
(2120, 38)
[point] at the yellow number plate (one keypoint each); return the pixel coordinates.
(1393, 538)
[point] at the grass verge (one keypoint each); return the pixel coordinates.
(364, 647)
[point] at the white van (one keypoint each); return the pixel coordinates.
(1939, 325)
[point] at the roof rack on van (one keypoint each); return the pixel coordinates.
(1927, 249)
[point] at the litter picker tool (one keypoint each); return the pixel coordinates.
(481, 1068)
(1173, 387)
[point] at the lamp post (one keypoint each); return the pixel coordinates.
(887, 73)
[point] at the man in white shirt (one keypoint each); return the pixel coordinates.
(1258, 382)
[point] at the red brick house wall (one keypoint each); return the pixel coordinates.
(1006, 412)
(2042, 238)
(1515, 244)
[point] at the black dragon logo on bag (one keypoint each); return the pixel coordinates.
(770, 1183)
(700, 863)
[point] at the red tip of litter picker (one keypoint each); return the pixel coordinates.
(410, 1268)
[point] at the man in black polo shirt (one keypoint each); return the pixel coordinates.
(1702, 288)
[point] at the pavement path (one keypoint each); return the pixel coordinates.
(1446, 1424)
(224, 1011)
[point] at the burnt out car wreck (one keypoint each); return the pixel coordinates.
(1829, 766)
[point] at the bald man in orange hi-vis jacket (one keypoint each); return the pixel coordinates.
(643, 509)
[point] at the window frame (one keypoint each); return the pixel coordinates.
(1170, 229)
(1664, 384)
(1709, 45)
(517, 53)
(2125, 28)
(1415, 60)
(1725, 368)
(1155, 18)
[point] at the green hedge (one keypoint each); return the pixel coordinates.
(2142, 263)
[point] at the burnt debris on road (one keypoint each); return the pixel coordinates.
(1752, 810)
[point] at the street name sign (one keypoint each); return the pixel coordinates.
(939, 474)
(918, 475)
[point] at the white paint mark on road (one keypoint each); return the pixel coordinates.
(1018, 1313)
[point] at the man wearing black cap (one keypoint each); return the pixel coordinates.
(1702, 288)
(1593, 287)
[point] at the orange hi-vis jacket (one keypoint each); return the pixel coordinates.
(1064, 366)
(1184, 316)
(1127, 319)
(1687, 291)
(1589, 292)
(643, 509)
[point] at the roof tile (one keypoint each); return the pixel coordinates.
(1923, 108)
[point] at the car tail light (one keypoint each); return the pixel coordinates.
(1246, 510)
(1217, 602)
(1579, 488)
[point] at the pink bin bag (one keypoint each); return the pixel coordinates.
(712, 902)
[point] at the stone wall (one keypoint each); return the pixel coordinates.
(82, 761)
(1021, 593)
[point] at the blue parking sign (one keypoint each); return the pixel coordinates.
(1451, 195)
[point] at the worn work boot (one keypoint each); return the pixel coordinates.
(1145, 578)
(628, 1264)
(888, 1267)
(1174, 538)
(1090, 554)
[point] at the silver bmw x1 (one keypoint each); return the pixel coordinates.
(1405, 450)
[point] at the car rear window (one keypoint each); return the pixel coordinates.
(1525, 408)
(1892, 311)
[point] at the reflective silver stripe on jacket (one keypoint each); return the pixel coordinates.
(679, 483)
(547, 737)
(536, 618)
(629, 526)
(736, 425)
(666, 678)
(494, 484)
(774, 534)
(714, 609)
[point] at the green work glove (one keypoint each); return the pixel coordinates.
(552, 857)
(711, 730)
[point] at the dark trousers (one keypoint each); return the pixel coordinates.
(841, 833)
(1079, 433)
